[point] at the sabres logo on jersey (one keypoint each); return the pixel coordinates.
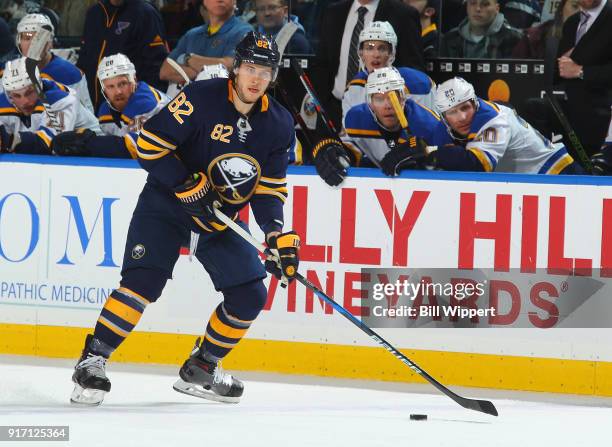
(235, 176)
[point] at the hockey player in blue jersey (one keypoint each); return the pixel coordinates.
(128, 105)
(377, 45)
(26, 125)
(374, 127)
(52, 67)
(491, 137)
(218, 142)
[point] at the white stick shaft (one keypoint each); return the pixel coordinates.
(241, 231)
(178, 69)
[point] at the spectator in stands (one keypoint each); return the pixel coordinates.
(51, 66)
(543, 39)
(6, 39)
(452, 14)
(585, 70)
(131, 27)
(129, 104)
(485, 33)
(272, 16)
(428, 10)
(521, 13)
(337, 60)
(26, 125)
(209, 44)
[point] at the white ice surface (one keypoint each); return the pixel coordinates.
(143, 410)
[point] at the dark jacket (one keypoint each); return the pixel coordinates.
(135, 29)
(589, 99)
(497, 43)
(405, 22)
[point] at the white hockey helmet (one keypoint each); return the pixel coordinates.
(382, 31)
(116, 65)
(212, 72)
(15, 75)
(31, 23)
(383, 80)
(454, 92)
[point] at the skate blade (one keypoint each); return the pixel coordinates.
(86, 396)
(198, 391)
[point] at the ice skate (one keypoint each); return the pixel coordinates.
(90, 381)
(205, 379)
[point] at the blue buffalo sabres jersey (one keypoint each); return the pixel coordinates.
(244, 157)
(364, 134)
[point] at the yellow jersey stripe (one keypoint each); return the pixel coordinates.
(482, 158)
(561, 164)
(43, 135)
(144, 144)
(363, 132)
(280, 196)
(158, 139)
(152, 157)
(157, 97)
(273, 180)
(131, 146)
(261, 188)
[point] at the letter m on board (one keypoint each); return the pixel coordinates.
(76, 216)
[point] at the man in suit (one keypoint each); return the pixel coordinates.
(337, 59)
(585, 70)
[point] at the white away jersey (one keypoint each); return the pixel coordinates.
(145, 102)
(504, 142)
(62, 71)
(69, 113)
(419, 86)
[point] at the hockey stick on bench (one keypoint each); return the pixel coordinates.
(35, 53)
(483, 406)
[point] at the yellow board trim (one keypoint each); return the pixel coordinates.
(586, 377)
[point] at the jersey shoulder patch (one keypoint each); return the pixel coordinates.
(55, 91)
(60, 70)
(417, 82)
(144, 99)
(360, 79)
(360, 123)
(487, 111)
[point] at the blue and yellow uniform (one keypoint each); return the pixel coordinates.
(124, 125)
(419, 86)
(500, 140)
(245, 159)
(368, 138)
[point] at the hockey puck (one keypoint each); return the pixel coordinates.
(418, 417)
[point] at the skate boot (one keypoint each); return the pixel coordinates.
(205, 379)
(90, 381)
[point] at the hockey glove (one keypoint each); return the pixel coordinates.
(7, 142)
(331, 161)
(199, 199)
(602, 161)
(286, 245)
(409, 155)
(72, 143)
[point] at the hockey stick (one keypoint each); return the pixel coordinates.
(35, 53)
(329, 124)
(574, 141)
(178, 69)
(483, 406)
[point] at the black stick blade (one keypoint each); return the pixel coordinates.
(484, 406)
